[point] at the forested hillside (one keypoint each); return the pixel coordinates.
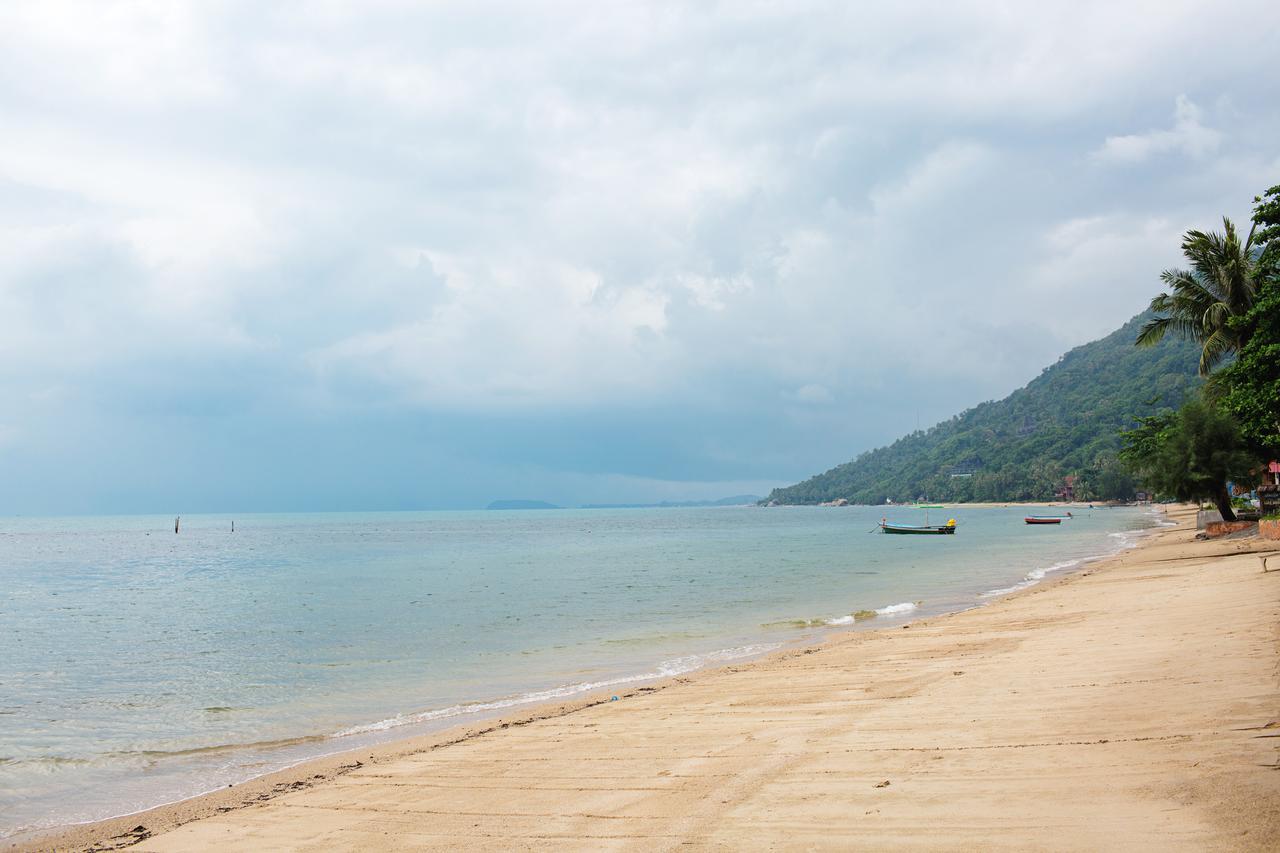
(1064, 422)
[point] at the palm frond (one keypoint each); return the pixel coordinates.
(1215, 316)
(1200, 302)
(1216, 347)
(1152, 332)
(1185, 327)
(1178, 279)
(1188, 286)
(1213, 387)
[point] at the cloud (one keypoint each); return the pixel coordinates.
(1188, 136)
(717, 243)
(514, 335)
(813, 394)
(955, 165)
(1087, 264)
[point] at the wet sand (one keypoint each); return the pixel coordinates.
(1132, 705)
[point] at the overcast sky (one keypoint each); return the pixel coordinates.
(407, 255)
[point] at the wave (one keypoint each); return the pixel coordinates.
(797, 623)
(1034, 576)
(665, 669)
(1125, 540)
(847, 619)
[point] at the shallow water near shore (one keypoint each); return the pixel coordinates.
(139, 666)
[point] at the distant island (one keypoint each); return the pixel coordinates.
(521, 505)
(736, 500)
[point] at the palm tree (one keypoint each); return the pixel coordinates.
(1221, 284)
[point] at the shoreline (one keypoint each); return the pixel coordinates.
(389, 734)
(984, 505)
(319, 774)
(402, 728)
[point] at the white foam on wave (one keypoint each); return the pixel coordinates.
(889, 610)
(1129, 539)
(665, 669)
(1125, 540)
(1159, 518)
(1034, 577)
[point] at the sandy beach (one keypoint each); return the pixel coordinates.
(1131, 705)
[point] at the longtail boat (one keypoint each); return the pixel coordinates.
(1045, 519)
(949, 527)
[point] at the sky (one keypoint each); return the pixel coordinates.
(384, 255)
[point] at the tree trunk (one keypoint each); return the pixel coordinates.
(1223, 502)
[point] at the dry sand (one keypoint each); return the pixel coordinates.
(1133, 705)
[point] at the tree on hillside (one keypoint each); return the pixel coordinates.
(1201, 301)
(1190, 454)
(1065, 421)
(1106, 479)
(1249, 388)
(1266, 221)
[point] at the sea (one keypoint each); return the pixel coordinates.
(140, 667)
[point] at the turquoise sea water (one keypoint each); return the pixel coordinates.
(139, 667)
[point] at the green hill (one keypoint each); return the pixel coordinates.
(1064, 422)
